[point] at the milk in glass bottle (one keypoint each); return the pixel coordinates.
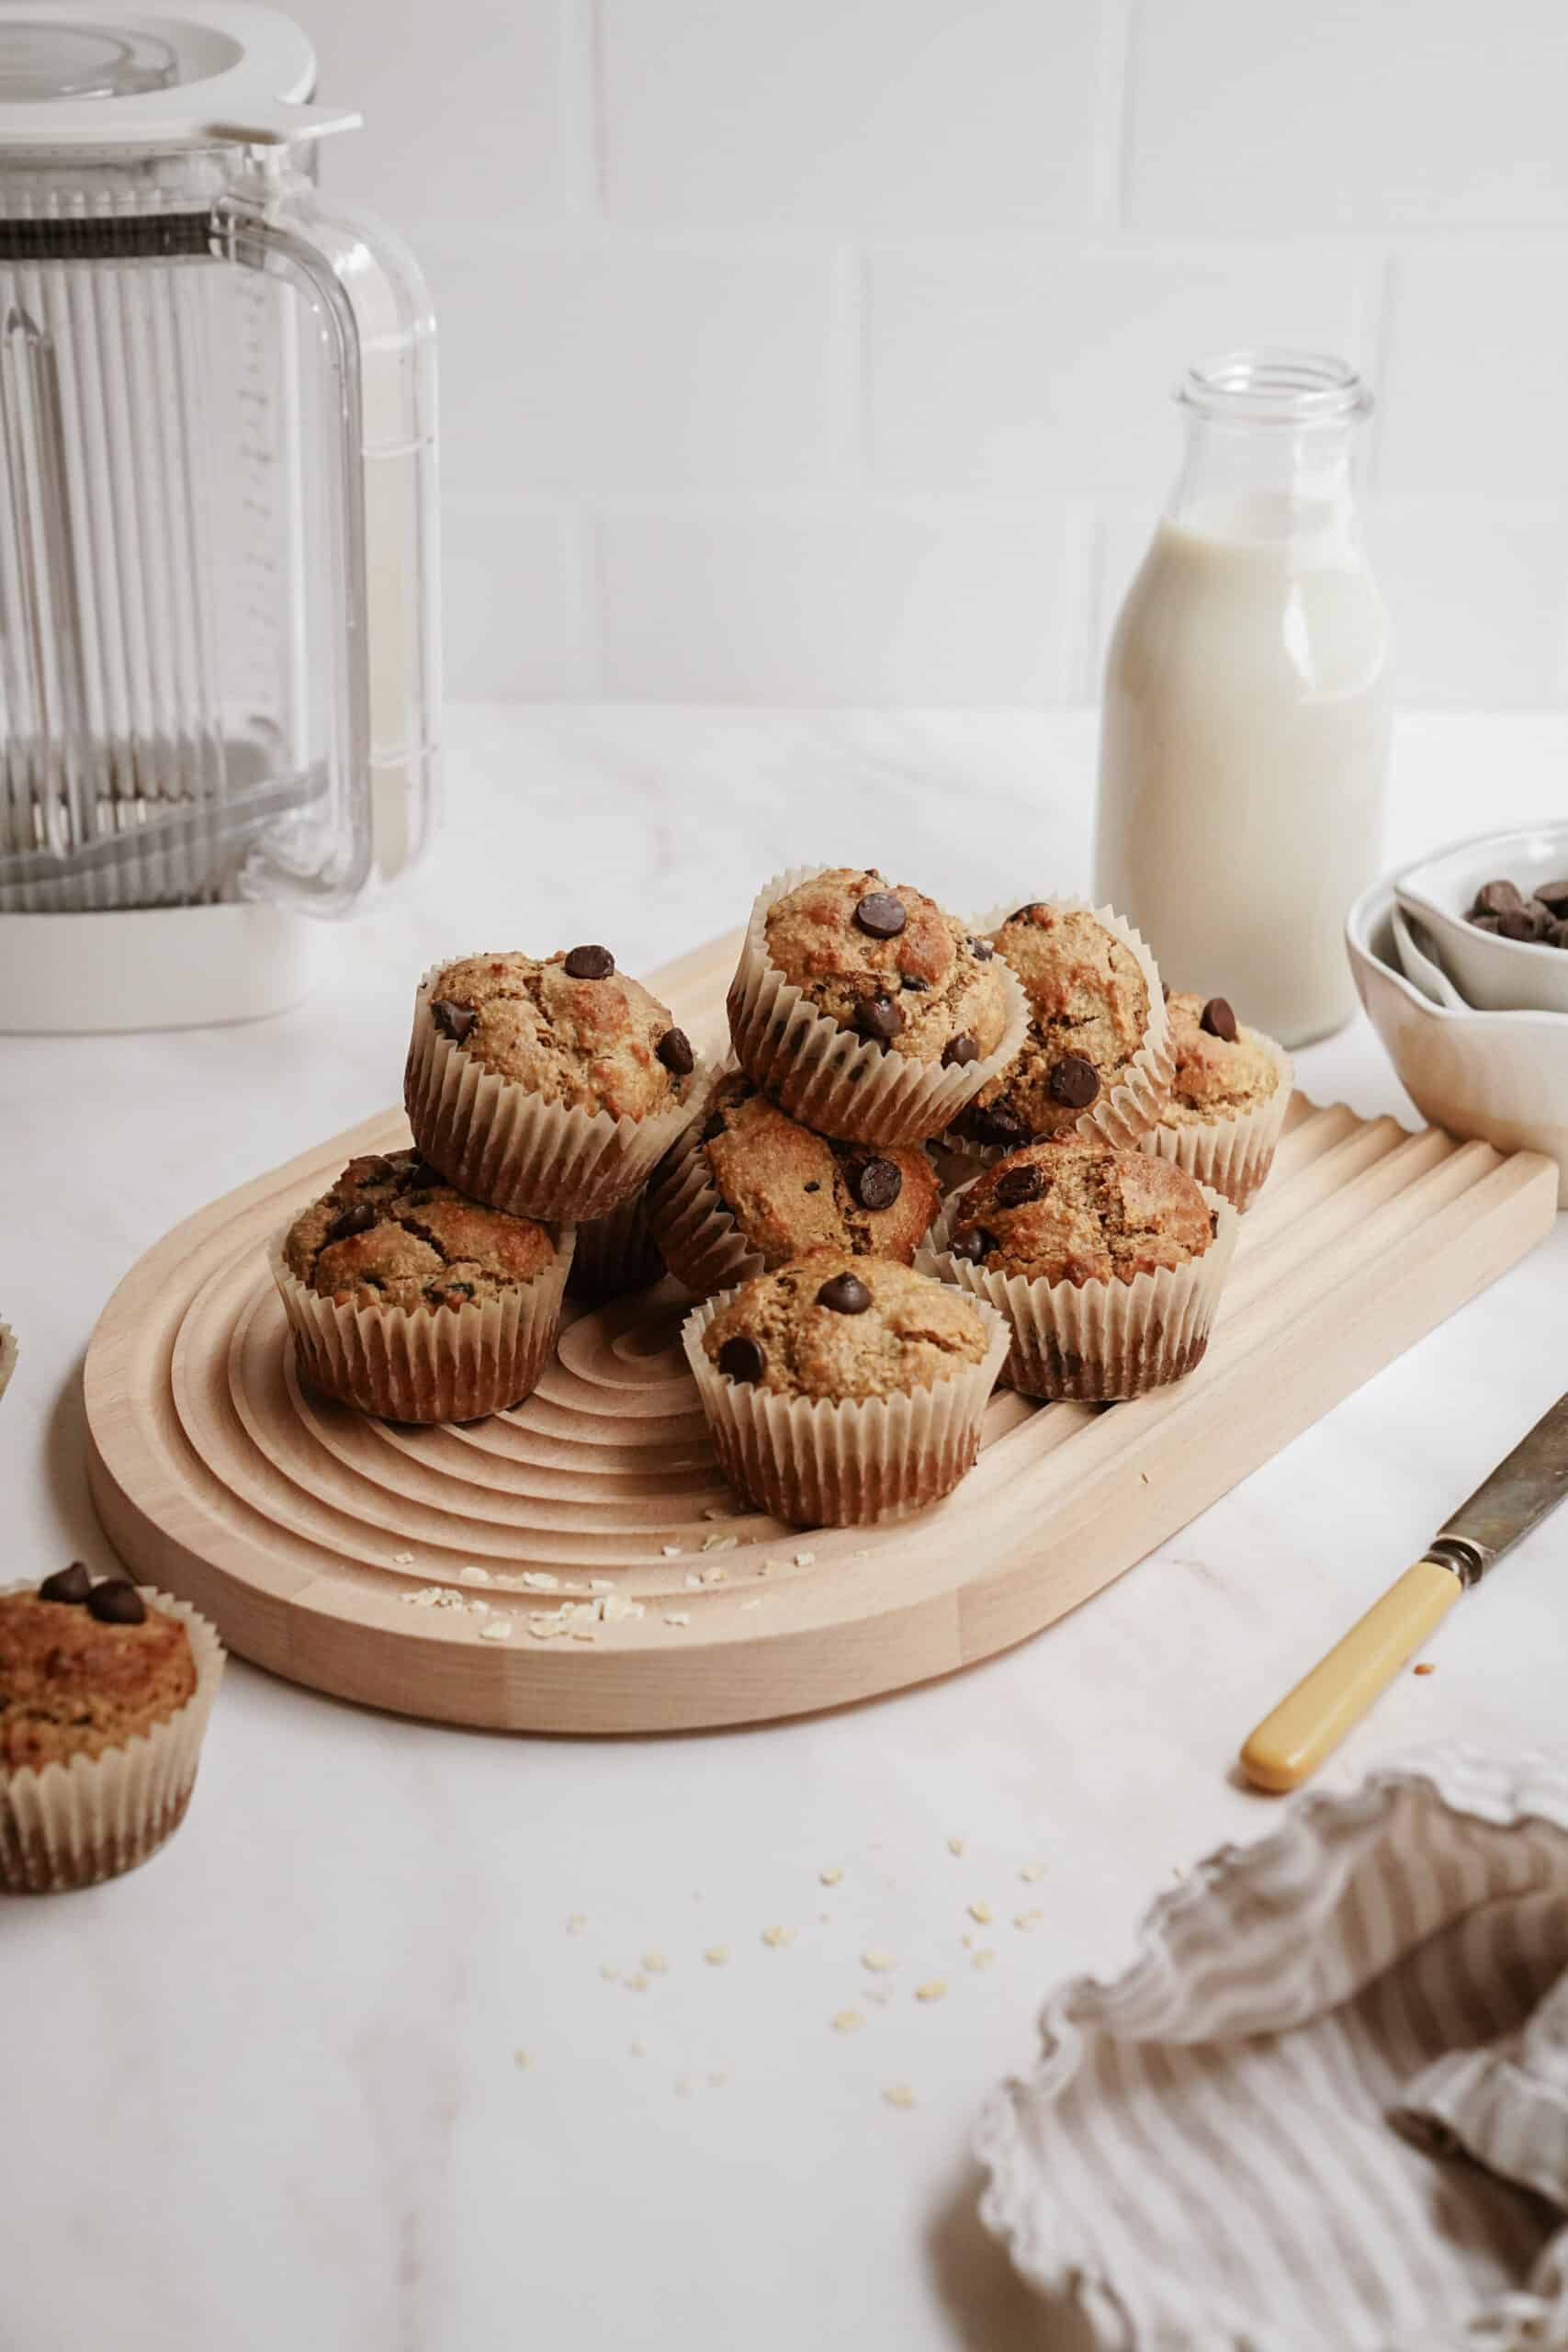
(1248, 697)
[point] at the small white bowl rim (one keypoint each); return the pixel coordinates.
(1361, 921)
(1407, 886)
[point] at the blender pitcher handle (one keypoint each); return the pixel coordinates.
(375, 321)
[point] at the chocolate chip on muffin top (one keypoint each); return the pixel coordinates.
(568, 1027)
(85, 1670)
(1089, 1017)
(883, 961)
(790, 1191)
(389, 1233)
(1078, 1212)
(1223, 1070)
(830, 1325)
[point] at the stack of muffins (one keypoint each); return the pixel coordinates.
(939, 1149)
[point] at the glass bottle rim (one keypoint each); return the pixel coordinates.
(1273, 386)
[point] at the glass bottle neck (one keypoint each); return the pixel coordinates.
(1270, 445)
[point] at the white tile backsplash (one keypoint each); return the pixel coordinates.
(822, 351)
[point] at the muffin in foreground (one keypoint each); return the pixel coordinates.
(1228, 1102)
(409, 1300)
(748, 1188)
(105, 1692)
(547, 1088)
(1107, 1264)
(839, 1390)
(1095, 1059)
(865, 1011)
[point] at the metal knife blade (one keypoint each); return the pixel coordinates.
(1524, 1487)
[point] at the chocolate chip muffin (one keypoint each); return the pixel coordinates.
(1107, 1264)
(867, 1011)
(747, 1187)
(543, 1086)
(840, 1389)
(105, 1691)
(1094, 1058)
(1228, 1102)
(409, 1300)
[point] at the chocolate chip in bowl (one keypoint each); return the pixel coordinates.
(1492, 915)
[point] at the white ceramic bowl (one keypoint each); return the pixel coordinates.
(1496, 974)
(1502, 1076)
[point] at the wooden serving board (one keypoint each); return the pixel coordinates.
(300, 1528)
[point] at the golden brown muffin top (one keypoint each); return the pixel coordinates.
(884, 960)
(389, 1233)
(74, 1681)
(837, 1326)
(569, 1028)
(1089, 1015)
(790, 1191)
(1223, 1070)
(1073, 1211)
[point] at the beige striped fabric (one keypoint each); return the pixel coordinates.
(1326, 2108)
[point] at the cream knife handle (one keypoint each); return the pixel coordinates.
(1289, 1745)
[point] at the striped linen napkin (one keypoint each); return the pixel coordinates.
(1326, 2108)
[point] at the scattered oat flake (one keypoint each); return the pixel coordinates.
(691, 1581)
(775, 1938)
(601, 1584)
(935, 1990)
(403, 1559)
(899, 2095)
(636, 2051)
(804, 1559)
(1032, 1872)
(721, 1544)
(1031, 1918)
(539, 1581)
(636, 1981)
(677, 1616)
(878, 1960)
(831, 1875)
(983, 1958)
(714, 1511)
(1425, 1667)
(683, 2087)
(982, 1914)
(849, 2020)
(670, 1551)
(655, 1963)
(967, 1941)
(717, 1954)
(714, 1576)
(496, 1629)
(576, 1922)
(608, 1971)
(520, 2058)
(956, 1845)
(474, 1574)
(718, 2080)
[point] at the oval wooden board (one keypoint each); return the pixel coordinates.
(301, 1529)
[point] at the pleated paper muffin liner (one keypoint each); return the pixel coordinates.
(616, 1254)
(511, 1149)
(1231, 1156)
(827, 1077)
(1134, 1106)
(427, 1364)
(8, 1352)
(70, 1825)
(816, 1463)
(1100, 1340)
(693, 1224)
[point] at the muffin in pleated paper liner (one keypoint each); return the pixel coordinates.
(1044, 1092)
(8, 1352)
(863, 1088)
(409, 1300)
(747, 1187)
(427, 1364)
(508, 1143)
(83, 1816)
(1094, 1339)
(827, 1461)
(615, 1254)
(1232, 1148)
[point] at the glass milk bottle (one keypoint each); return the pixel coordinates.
(1248, 691)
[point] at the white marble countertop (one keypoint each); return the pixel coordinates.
(264, 2091)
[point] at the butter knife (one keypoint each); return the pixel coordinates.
(1289, 1745)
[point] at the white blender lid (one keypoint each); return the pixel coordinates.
(87, 74)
